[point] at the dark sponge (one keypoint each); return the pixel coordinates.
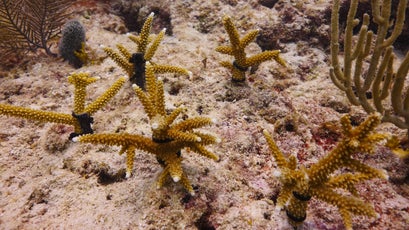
(73, 35)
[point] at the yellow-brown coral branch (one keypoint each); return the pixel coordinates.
(300, 185)
(38, 115)
(80, 82)
(122, 62)
(241, 63)
(105, 97)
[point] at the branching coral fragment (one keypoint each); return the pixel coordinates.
(301, 184)
(241, 63)
(81, 117)
(168, 138)
(134, 63)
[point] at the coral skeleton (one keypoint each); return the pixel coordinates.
(134, 64)
(301, 184)
(81, 117)
(236, 49)
(379, 78)
(168, 138)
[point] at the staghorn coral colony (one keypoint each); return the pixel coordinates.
(301, 184)
(168, 139)
(336, 176)
(241, 62)
(134, 64)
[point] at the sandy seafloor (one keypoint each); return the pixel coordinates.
(48, 182)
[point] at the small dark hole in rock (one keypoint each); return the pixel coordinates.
(203, 223)
(290, 127)
(267, 216)
(274, 197)
(186, 198)
(162, 205)
(104, 177)
(268, 3)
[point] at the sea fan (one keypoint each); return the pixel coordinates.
(30, 24)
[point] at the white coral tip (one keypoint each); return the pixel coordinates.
(192, 193)
(126, 78)
(155, 125)
(218, 140)
(190, 74)
(75, 139)
(354, 143)
(151, 14)
(128, 175)
(198, 139)
(176, 178)
(164, 30)
(214, 120)
(385, 174)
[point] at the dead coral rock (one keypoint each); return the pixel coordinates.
(104, 173)
(88, 168)
(56, 138)
(341, 106)
(294, 24)
(277, 110)
(10, 89)
(206, 20)
(108, 177)
(38, 196)
(204, 223)
(235, 92)
(134, 14)
(289, 124)
(206, 17)
(175, 87)
(327, 134)
(230, 2)
(113, 23)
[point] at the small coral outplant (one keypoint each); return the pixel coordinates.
(241, 62)
(81, 118)
(168, 137)
(301, 184)
(134, 64)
